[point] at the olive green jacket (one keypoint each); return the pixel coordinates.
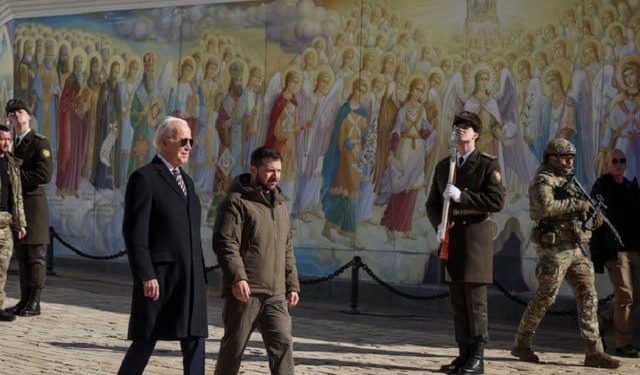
(252, 240)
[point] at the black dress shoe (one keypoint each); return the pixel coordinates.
(628, 351)
(6, 317)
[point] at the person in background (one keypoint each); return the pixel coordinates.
(11, 211)
(622, 198)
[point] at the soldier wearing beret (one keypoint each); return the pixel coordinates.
(34, 151)
(475, 194)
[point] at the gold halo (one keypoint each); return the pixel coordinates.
(24, 41)
(633, 60)
(370, 51)
(564, 78)
(55, 47)
(595, 43)
(245, 70)
(416, 76)
(94, 54)
(326, 70)
(347, 89)
(63, 43)
(388, 55)
(308, 51)
(319, 39)
(17, 46)
(379, 77)
(524, 59)
(565, 44)
(116, 59)
(615, 25)
(288, 69)
(131, 59)
(206, 58)
(72, 56)
(187, 60)
(480, 67)
(434, 70)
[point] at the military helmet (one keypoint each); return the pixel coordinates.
(559, 146)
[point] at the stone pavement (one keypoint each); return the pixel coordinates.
(84, 323)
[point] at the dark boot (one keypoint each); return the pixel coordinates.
(456, 364)
(475, 362)
(32, 308)
(6, 317)
(24, 296)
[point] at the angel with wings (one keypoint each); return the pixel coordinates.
(519, 162)
(318, 111)
(368, 154)
(622, 128)
(284, 126)
(394, 97)
(410, 141)
(341, 180)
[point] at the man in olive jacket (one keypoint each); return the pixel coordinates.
(252, 240)
(35, 172)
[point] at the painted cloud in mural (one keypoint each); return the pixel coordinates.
(294, 23)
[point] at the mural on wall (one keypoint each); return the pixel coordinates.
(358, 97)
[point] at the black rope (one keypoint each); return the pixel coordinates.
(318, 280)
(522, 302)
(398, 292)
(82, 253)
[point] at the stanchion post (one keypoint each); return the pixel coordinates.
(50, 270)
(355, 279)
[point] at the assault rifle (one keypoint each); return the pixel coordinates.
(597, 207)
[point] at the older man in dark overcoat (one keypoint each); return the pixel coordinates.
(475, 193)
(161, 231)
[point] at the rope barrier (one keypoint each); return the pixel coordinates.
(356, 264)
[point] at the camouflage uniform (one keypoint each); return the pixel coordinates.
(558, 209)
(10, 221)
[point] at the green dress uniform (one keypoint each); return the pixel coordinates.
(470, 265)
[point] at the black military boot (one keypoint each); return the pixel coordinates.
(475, 362)
(24, 296)
(6, 317)
(456, 364)
(32, 308)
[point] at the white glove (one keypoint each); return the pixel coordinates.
(440, 232)
(452, 192)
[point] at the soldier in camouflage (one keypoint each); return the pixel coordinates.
(559, 212)
(11, 211)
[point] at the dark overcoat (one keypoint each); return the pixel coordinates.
(470, 241)
(35, 172)
(161, 230)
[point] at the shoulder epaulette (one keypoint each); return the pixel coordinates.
(40, 136)
(488, 156)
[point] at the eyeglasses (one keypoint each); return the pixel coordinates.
(183, 142)
(621, 161)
